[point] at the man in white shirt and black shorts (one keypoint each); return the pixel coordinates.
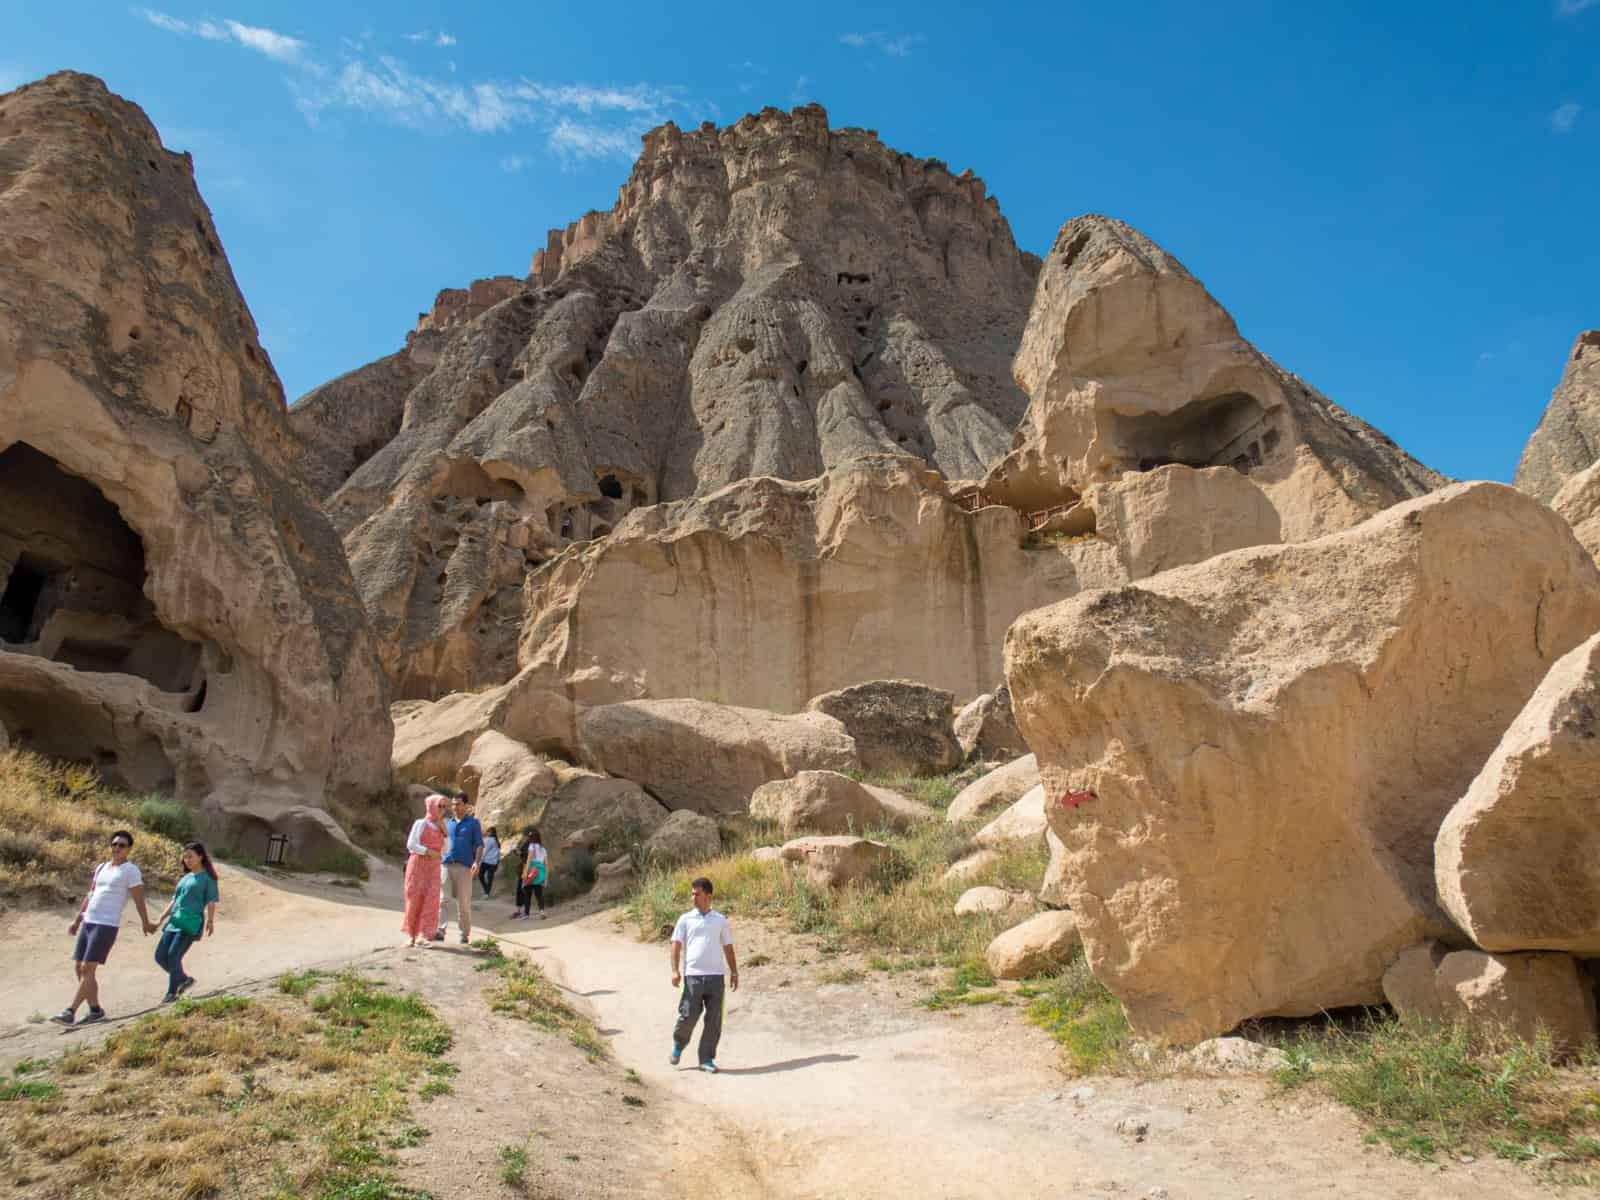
(701, 942)
(99, 918)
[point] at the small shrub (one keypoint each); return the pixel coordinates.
(28, 1089)
(571, 875)
(338, 860)
(1076, 1009)
(166, 815)
(513, 1166)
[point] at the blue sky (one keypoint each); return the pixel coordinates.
(1395, 200)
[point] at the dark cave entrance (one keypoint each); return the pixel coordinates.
(72, 576)
(1231, 430)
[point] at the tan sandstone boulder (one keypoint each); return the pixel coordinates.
(433, 739)
(1130, 365)
(589, 810)
(1579, 502)
(177, 608)
(1023, 822)
(1517, 860)
(995, 792)
(986, 727)
(1519, 994)
(613, 880)
(709, 757)
(685, 836)
(506, 780)
(1053, 887)
(898, 725)
(971, 866)
(1248, 760)
(1039, 944)
(991, 900)
(828, 802)
(836, 861)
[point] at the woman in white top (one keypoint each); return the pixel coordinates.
(97, 923)
(535, 869)
(491, 859)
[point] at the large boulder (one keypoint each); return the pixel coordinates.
(685, 836)
(1563, 444)
(1579, 502)
(1247, 761)
(709, 757)
(1516, 859)
(1130, 365)
(177, 608)
(433, 739)
(991, 900)
(995, 792)
(828, 802)
(601, 810)
(986, 727)
(1041, 943)
(833, 862)
(1019, 825)
(898, 725)
(1519, 994)
(506, 780)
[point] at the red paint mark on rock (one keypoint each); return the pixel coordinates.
(1073, 799)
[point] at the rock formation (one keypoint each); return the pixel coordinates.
(1579, 502)
(1567, 439)
(772, 298)
(898, 725)
(828, 802)
(988, 795)
(1516, 858)
(174, 606)
(1248, 760)
(1131, 364)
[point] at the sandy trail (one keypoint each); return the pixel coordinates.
(827, 1090)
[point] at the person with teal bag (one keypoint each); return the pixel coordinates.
(193, 909)
(535, 869)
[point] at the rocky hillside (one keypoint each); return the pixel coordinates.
(771, 298)
(174, 606)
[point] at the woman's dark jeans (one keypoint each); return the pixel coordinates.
(486, 875)
(174, 944)
(527, 893)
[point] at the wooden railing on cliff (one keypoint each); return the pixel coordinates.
(1036, 519)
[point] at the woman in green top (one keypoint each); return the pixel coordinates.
(194, 905)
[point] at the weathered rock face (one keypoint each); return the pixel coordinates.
(709, 757)
(837, 861)
(1579, 502)
(684, 836)
(600, 809)
(1039, 944)
(898, 725)
(1518, 994)
(828, 802)
(990, 794)
(1021, 823)
(1565, 440)
(505, 780)
(1130, 363)
(987, 728)
(1515, 860)
(174, 605)
(871, 571)
(773, 298)
(1306, 714)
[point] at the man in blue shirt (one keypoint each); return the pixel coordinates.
(462, 859)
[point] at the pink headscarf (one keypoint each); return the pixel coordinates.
(435, 806)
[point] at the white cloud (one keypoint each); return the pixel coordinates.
(1565, 117)
(801, 92)
(570, 140)
(279, 46)
(512, 163)
(1571, 8)
(900, 45)
(444, 39)
(423, 36)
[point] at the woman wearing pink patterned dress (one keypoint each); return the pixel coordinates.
(426, 844)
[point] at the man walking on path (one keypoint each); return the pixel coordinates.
(98, 920)
(701, 940)
(462, 860)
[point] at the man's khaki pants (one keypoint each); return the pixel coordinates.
(461, 889)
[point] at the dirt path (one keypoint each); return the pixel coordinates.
(827, 1090)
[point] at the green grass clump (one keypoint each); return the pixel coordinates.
(298, 983)
(166, 815)
(28, 1089)
(936, 791)
(523, 991)
(513, 1166)
(959, 990)
(1425, 1088)
(1075, 1009)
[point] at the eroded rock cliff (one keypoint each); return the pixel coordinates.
(174, 605)
(771, 298)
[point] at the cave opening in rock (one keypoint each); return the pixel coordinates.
(1231, 430)
(72, 576)
(610, 487)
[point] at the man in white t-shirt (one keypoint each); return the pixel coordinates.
(96, 925)
(701, 942)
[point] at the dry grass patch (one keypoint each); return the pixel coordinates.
(56, 821)
(288, 1096)
(522, 990)
(906, 911)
